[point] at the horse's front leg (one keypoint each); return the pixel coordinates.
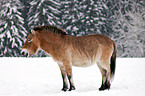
(68, 69)
(64, 77)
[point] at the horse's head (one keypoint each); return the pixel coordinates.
(31, 45)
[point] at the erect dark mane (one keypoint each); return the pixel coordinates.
(50, 28)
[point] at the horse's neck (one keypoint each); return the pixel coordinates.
(52, 43)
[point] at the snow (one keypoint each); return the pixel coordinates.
(68, 28)
(75, 28)
(55, 2)
(41, 77)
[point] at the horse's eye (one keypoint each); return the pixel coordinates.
(30, 40)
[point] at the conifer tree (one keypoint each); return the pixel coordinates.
(82, 17)
(129, 28)
(43, 12)
(12, 32)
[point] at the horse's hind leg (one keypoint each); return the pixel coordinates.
(105, 71)
(64, 77)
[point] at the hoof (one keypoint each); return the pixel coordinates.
(64, 89)
(72, 88)
(104, 87)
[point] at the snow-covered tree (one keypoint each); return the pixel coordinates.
(25, 13)
(44, 12)
(129, 28)
(82, 17)
(12, 32)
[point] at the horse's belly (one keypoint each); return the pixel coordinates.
(83, 60)
(82, 63)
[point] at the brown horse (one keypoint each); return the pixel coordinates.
(81, 51)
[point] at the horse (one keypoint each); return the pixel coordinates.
(67, 50)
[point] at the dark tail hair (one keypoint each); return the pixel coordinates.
(113, 62)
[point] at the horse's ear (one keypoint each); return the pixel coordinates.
(32, 31)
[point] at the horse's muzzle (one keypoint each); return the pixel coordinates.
(25, 53)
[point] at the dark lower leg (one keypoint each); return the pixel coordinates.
(105, 81)
(68, 69)
(105, 85)
(72, 87)
(65, 85)
(64, 77)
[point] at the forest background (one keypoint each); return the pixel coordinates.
(121, 20)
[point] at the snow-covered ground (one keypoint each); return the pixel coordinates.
(41, 77)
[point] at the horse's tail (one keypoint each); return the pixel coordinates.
(113, 62)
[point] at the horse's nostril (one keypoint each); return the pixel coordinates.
(23, 53)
